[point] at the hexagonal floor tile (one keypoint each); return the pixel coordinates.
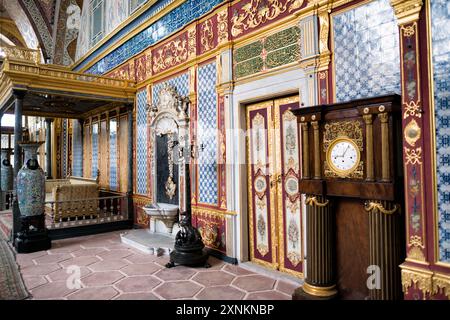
(80, 261)
(108, 265)
(137, 296)
(63, 274)
(177, 273)
(213, 278)
(221, 292)
(32, 282)
(102, 293)
(176, 290)
(138, 258)
(115, 254)
(137, 284)
(268, 295)
(68, 248)
(97, 279)
(88, 252)
(237, 270)
(53, 258)
(287, 288)
(254, 283)
(39, 270)
(52, 290)
(141, 269)
(215, 264)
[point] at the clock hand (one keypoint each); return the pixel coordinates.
(345, 151)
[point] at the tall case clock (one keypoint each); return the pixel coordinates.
(352, 179)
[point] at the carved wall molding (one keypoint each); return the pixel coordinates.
(407, 11)
(170, 54)
(428, 282)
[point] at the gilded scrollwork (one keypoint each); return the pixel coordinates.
(207, 35)
(413, 156)
(222, 26)
(171, 54)
(412, 109)
(422, 281)
(256, 12)
(324, 22)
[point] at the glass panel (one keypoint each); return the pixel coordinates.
(5, 141)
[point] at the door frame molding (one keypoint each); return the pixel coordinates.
(272, 87)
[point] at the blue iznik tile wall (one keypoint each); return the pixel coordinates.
(113, 183)
(94, 144)
(180, 82)
(65, 137)
(366, 52)
(173, 21)
(77, 149)
(440, 20)
(141, 143)
(207, 134)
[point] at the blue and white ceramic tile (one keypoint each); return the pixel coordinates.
(366, 52)
(113, 183)
(141, 145)
(77, 141)
(175, 20)
(207, 133)
(181, 84)
(440, 20)
(94, 143)
(65, 137)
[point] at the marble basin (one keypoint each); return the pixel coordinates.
(167, 213)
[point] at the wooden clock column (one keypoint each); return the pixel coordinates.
(354, 218)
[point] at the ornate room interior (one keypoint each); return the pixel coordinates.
(225, 149)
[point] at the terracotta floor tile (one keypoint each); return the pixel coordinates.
(108, 265)
(39, 270)
(115, 254)
(88, 252)
(101, 293)
(180, 289)
(220, 293)
(52, 290)
(254, 283)
(80, 261)
(177, 273)
(213, 278)
(268, 295)
(137, 296)
(64, 248)
(215, 264)
(23, 260)
(286, 287)
(141, 269)
(137, 258)
(63, 274)
(52, 258)
(97, 279)
(32, 282)
(137, 284)
(234, 269)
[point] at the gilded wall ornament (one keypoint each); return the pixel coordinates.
(412, 132)
(421, 280)
(412, 109)
(170, 55)
(413, 156)
(192, 38)
(324, 22)
(207, 35)
(256, 12)
(222, 26)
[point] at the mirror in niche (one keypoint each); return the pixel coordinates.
(167, 179)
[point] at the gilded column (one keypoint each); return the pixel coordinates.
(305, 144)
(317, 167)
(320, 281)
(130, 164)
(369, 147)
(385, 250)
(385, 170)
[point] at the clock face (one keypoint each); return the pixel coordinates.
(343, 156)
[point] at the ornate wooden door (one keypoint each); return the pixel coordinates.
(275, 209)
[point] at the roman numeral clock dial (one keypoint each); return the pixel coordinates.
(343, 156)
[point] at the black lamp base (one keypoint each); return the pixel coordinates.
(33, 236)
(190, 259)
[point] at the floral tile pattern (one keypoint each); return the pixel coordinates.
(141, 143)
(366, 52)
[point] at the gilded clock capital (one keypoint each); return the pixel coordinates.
(407, 11)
